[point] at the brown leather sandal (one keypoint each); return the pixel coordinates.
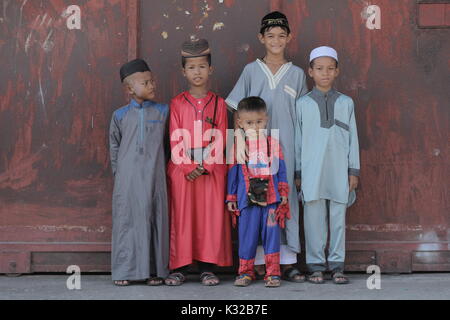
(209, 279)
(175, 279)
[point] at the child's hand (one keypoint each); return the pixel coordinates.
(353, 182)
(284, 201)
(194, 175)
(298, 184)
(235, 213)
(232, 206)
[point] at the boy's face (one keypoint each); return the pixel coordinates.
(324, 72)
(275, 40)
(141, 85)
(197, 71)
(252, 121)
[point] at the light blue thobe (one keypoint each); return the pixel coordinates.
(326, 145)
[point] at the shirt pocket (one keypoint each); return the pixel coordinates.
(342, 133)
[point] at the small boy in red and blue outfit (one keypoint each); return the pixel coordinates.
(258, 194)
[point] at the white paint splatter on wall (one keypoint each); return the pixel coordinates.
(218, 26)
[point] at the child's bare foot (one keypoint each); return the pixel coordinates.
(244, 280)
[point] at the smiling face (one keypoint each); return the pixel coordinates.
(324, 71)
(275, 40)
(197, 71)
(141, 86)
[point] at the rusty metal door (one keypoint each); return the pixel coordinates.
(59, 87)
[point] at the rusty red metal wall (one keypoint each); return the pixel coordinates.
(59, 87)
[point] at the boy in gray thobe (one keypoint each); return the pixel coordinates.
(327, 165)
(140, 236)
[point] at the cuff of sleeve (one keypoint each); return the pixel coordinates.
(232, 104)
(231, 198)
(188, 168)
(298, 174)
(283, 189)
(354, 172)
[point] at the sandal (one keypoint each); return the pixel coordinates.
(339, 278)
(293, 275)
(175, 279)
(244, 280)
(209, 279)
(155, 282)
(122, 283)
(316, 278)
(273, 282)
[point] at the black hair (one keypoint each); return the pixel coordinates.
(311, 65)
(252, 104)
(276, 15)
(184, 60)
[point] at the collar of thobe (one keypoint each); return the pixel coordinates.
(322, 95)
(274, 79)
(145, 104)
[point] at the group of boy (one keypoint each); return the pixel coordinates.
(290, 147)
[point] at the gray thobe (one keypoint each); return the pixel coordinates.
(140, 235)
(280, 92)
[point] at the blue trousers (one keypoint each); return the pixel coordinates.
(256, 221)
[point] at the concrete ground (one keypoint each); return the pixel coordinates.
(423, 286)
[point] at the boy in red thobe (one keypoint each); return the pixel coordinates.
(200, 226)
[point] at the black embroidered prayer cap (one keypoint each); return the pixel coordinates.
(275, 19)
(133, 67)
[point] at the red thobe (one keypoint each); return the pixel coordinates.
(200, 225)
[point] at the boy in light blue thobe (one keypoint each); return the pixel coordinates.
(327, 165)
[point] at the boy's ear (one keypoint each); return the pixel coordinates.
(261, 38)
(239, 122)
(211, 70)
(289, 37)
(310, 71)
(129, 88)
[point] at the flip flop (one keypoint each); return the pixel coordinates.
(316, 275)
(155, 282)
(340, 275)
(122, 283)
